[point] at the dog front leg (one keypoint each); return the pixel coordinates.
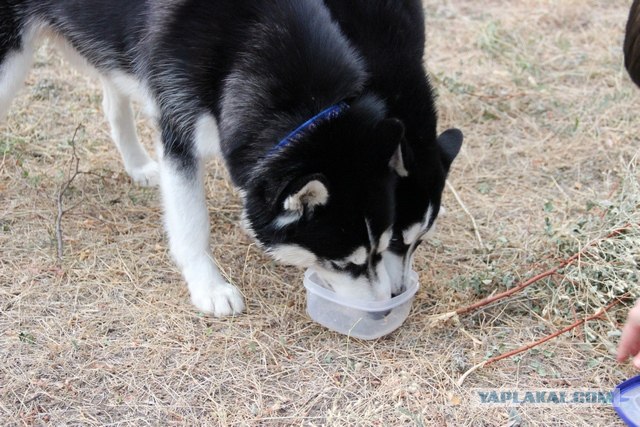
(137, 163)
(187, 224)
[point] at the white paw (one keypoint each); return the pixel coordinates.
(219, 300)
(147, 175)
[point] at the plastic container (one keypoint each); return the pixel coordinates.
(367, 320)
(626, 401)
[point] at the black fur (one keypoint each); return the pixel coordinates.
(10, 27)
(390, 35)
(632, 43)
(352, 155)
(262, 67)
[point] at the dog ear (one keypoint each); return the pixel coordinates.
(306, 193)
(450, 142)
(397, 162)
(390, 132)
(300, 197)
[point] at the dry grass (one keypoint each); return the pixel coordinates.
(550, 163)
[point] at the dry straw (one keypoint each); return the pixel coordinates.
(108, 337)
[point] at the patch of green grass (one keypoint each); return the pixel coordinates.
(26, 337)
(45, 90)
(9, 144)
(454, 84)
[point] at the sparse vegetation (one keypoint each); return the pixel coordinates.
(550, 163)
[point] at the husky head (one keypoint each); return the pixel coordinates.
(418, 198)
(327, 200)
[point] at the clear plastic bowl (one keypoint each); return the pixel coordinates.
(367, 320)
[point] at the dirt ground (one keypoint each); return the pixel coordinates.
(107, 336)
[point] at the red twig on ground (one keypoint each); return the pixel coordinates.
(530, 282)
(537, 278)
(529, 346)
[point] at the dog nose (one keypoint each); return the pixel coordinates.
(399, 290)
(379, 315)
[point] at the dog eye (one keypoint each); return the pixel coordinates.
(355, 270)
(337, 265)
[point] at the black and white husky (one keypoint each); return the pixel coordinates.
(321, 110)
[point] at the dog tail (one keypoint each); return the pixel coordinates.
(632, 43)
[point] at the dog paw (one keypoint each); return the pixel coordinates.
(147, 175)
(219, 300)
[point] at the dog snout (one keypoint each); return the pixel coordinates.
(381, 283)
(400, 290)
(379, 315)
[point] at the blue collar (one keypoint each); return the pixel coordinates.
(324, 116)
